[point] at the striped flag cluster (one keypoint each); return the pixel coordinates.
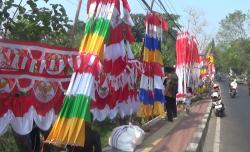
(151, 86)
(116, 90)
(187, 61)
(69, 127)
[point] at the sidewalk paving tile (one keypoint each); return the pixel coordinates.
(174, 137)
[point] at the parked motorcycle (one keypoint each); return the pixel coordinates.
(217, 105)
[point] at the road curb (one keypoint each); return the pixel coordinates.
(198, 139)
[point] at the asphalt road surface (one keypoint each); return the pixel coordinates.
(232, 132)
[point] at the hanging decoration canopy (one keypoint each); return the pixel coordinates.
(117, 91)
(187, 63)
(69, 127)
(151, 86)
(29, 91)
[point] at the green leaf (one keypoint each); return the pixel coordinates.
(21, 10)
(32, 5)
(19, 17)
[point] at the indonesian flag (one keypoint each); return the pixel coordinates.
(69, 127)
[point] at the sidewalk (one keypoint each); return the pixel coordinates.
(174, 136)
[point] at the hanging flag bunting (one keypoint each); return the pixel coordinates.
(69, 127)
(151, 86)
(29, 92)
(187, 63)
(192, 63)
(117, 92)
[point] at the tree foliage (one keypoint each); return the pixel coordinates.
(233, 27)
(65, 39)
(196, 26)
(233, 48)
(30, 22)
(139, 28)
(236, 56)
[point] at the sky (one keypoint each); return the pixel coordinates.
(213, 10)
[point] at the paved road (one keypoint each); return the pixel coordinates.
(232, 132)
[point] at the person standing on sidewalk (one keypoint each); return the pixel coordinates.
(171, 89)
(187, 101)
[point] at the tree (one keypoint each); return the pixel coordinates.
(1, 3)
(248, 23)
(196, 26)
(233, 43)
(62, 39)
(137, 49)
(233, 27)
(168, 52)
(33, 23)
(236, 56)
(139, 28)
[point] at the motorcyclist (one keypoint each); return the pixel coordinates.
(248, 84)
(233, 85)
(216, 88)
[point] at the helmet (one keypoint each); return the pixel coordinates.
(215, 85)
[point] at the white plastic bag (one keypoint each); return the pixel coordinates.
(126, 137)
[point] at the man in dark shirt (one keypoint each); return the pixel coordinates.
(171, 88)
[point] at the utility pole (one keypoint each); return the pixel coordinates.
(76, 21)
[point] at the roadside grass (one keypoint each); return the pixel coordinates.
(7, 142)
(104, 129)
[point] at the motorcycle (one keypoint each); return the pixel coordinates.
(248, 84)
(217, 105)
(232, 92)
